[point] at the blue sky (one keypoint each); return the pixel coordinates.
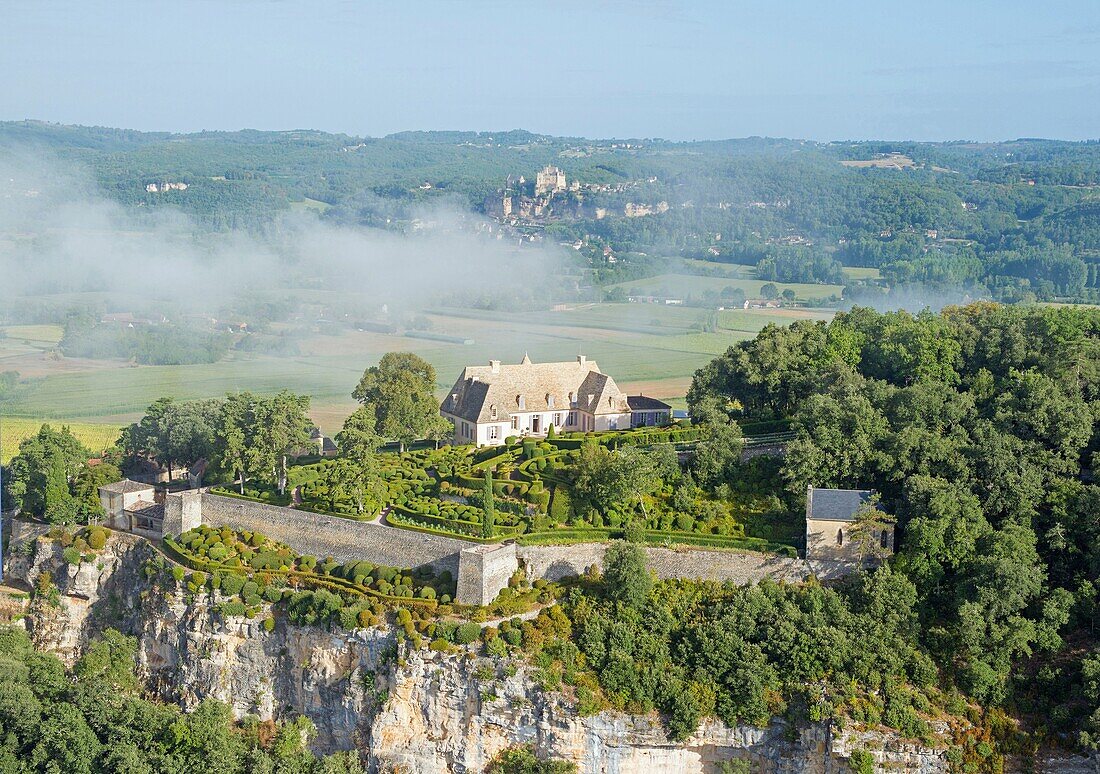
(817, 69)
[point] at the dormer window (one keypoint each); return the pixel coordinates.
(549, 400)
(572, 399)
(493, 411)
(521, 402)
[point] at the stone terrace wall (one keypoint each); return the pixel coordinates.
(343, 539)
(556, 562)
(347, 540)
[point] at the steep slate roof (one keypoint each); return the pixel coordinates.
(645, 403)
(126, 486)
(835, 504)
(479, 390)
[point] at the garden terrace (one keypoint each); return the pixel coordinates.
(440, 491)
(229, 553)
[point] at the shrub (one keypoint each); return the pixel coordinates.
(233, 608)
(232, 584)
(198, 578)
(349, 617)
(97, 538)
(862, 762)
(497, 647)
(272, 594)
(71, 555)
(269, 624)
(178, 573)
(467, 633)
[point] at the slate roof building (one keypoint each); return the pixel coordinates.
(132, 506)
(489, 403)
(830, 514)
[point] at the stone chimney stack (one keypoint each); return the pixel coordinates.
(494, 366)
(582, 359)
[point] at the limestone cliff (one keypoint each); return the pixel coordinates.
(416, 711)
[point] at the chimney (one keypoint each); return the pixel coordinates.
(582, 359)
(494, 366)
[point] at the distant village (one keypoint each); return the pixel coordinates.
(552, 195)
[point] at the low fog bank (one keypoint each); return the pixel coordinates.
(912, 298)
(59, 234)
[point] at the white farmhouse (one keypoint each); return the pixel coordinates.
(490, 403)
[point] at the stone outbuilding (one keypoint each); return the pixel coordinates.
(830, 516)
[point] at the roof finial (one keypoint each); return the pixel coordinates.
(526, 360)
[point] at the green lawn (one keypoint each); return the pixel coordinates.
(310, 204)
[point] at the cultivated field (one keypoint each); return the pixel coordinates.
(646, 347)
(694, 285)
(13, 430)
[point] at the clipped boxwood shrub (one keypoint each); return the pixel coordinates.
(467, 633)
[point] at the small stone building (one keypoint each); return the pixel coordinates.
(132, 506)
(830, 514)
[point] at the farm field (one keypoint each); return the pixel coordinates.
(690, 284)
(13, 430)
(862, 273)
(647, 348)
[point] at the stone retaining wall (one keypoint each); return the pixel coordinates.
(347, 540)
(556, 562)
(342, 539)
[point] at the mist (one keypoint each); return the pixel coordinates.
(60, 234)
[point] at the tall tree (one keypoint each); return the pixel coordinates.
(626, 577)
(359, 442)
(282, 429)
(43, 470)
(400, 390)
(235, 448)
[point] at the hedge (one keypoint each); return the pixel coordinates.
(273, 500)
(464, 529)
(328, 582)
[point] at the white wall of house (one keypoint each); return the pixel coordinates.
(613, 421)
(492, 433)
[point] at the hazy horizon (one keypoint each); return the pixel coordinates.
(852, 70)
(500, 130)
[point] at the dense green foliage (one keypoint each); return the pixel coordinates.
(94, 720)
(978, 429)
(51, 477)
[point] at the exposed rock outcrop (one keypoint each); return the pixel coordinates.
(418, 711)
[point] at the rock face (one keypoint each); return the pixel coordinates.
(454, 714)
(416, 711)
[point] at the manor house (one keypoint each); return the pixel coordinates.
(490, 403)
